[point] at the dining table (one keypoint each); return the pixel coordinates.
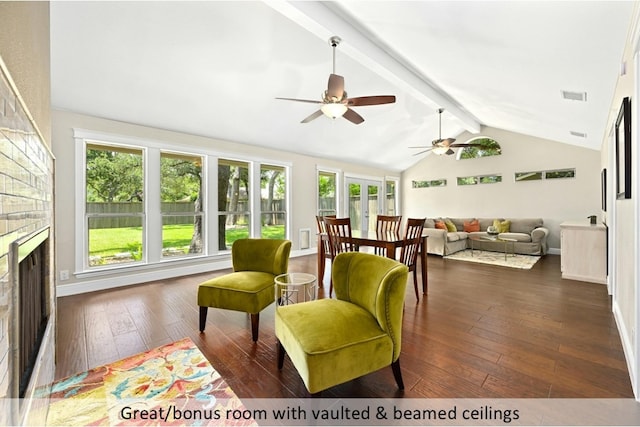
(390, 241)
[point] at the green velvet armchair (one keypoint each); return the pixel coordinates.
(251, 286)
(332, 341)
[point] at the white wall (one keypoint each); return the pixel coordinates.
(303, 194)
(554, 201)
(624, 216)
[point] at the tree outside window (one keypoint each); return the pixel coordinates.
(273, 202)
(327, 193)
(234, 215)
(114, 204)
(181, 204)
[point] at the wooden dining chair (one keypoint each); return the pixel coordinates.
(322, 229)
(387, 224)
(340, 239)
(411, 247)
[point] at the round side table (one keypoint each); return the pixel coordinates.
(292, 288)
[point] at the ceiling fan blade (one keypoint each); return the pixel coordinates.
(300, 100)
(353, 117)
(421, 146)
(336, 86)
(312, 116)
(423, 151)
(371, 100)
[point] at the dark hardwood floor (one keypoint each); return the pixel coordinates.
(482, 331)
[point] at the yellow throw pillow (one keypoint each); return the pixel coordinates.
(451, 227)
(502, 226)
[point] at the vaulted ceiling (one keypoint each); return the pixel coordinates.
(215, 68)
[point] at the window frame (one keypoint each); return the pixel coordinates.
(152, 235)
(338, 189)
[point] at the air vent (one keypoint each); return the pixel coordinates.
(574, 96)
(304, 238)
(578, 134)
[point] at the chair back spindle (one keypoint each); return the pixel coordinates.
(411, 247)
(387, 225)
(340, 239)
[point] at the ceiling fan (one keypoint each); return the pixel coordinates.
(335, 102)
(442, 146)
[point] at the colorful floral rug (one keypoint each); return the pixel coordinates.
(496, 258)
(170, 385)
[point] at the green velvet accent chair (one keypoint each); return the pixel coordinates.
(332, 341)
(251, 286)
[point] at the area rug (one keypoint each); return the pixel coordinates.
(495, 258)
(169, 385)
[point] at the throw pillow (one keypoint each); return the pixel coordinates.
(451, 227)
(471, 226)
(502, 226)
(440, 225)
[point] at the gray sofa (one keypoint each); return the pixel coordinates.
(529, 233)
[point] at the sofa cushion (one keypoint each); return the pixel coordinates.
(458, 235)
(440, 224)
(429, 223)
(485, 223)
(520, 237)
(525, 225)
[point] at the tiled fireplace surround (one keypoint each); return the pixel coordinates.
(26, 205)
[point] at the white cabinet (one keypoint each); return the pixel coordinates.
(583, 251)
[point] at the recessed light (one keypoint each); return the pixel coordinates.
(578, 134)
(574, 96)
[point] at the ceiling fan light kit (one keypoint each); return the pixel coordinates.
(334, 110)
(335, 102)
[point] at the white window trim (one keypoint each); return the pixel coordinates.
(152, 191)
(339, 180)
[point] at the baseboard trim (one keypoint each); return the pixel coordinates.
(554, 251)
(128, 279)
(626, 347)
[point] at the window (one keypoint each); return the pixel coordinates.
(115, 214)
(327, 193)
(391, 197)
(146, 202)
(273, 202)
(480, 179)
(432, 183)
(481, 147)
(550, 174)
(234, 212)
(181, 204)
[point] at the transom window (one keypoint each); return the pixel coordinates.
(481, 147)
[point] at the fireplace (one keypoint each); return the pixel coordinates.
(29, 258)
(27, 243)
(31, 324)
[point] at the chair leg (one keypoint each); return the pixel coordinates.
(255, 322)
(395, 366)
(203, 317)
(281, 353)
(415, 284)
